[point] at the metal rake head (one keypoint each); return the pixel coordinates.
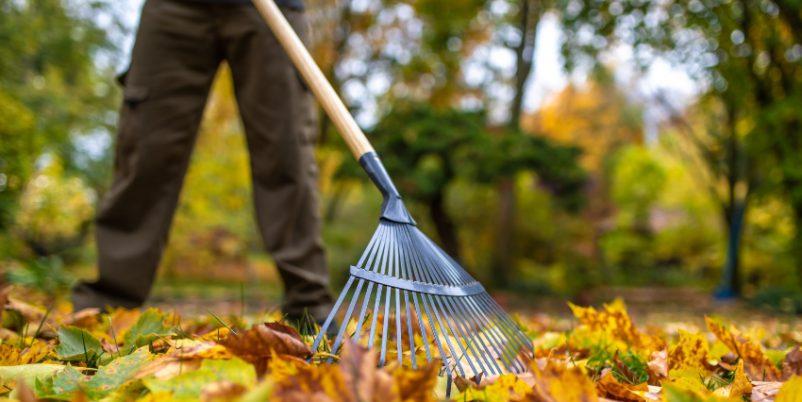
(408, 297)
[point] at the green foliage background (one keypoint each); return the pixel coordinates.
(594, 203)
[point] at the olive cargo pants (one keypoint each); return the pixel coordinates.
(179, 47)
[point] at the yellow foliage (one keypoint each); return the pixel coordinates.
(614, 322)
(690, 351)
(758, 366)
(791, 391)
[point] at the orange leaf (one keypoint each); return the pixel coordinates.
(258, 344)
(609, 386)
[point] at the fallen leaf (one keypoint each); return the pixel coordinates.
(614, 322)
(609, 386)
(690, 351)
(791, 390)
(75, 344)
(559, 383)
(758, 367)
(260, 343)
(417, 385)
(792, 364)
(222, 391)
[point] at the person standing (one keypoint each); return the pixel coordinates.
(179, 47)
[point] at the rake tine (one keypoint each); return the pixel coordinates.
(478, 334)
(375, 317)
(497, 338)
(347, 318)
(512, 336)
(411, 333)
(437, 338)
(398, 332)
(507, 333)
(423, 330)
(417, 261)
(403, 266)
(470, 345)
(362, 311)
(380, 267)
(333, 312)
(385, 332)
(505, 318)
(445, 329)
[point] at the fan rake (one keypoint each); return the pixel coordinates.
(404, 289)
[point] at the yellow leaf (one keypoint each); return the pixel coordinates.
(758, 367)
(740, 384)
(690, 351)
(614, 322)
(557, 382)
(791, 391)
(504, 388)
(608, 386)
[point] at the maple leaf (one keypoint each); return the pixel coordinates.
(417, 385)
(690, 351)
(614, 322)
(559, 383)
(609, 386)
(758, 367)
(260, 343)
(363, 380)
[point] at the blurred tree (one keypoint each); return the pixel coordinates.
(434, 147)
(599, 119)
(51, 88)
(749, 56)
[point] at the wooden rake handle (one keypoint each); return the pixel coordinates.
(317, 82)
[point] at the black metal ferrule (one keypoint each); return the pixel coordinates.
(393, 208)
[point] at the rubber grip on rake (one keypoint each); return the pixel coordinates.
(393, 208)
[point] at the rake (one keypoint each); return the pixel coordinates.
(404, 289)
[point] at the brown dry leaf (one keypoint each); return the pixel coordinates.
(614, 321)
(690, 351)
(559, 383)
(260, 343)
(30, 313)
(608, 386)
(86, 318)
(658, 366)
(222, 391)
(417, 385)
(758, 367)
(792, 364)
(364, 381)
(295, 380)
(765, 391)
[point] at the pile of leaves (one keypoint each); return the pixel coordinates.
(52, 353)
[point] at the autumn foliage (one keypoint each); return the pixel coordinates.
(152, 355)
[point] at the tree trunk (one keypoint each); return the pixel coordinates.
(730, 286)
(444, 225)
(505, 235)
(529, 17)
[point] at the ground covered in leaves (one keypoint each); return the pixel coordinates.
(48, 352)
